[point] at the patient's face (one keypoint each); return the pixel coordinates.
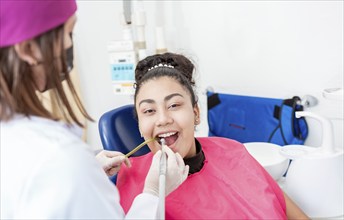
(164, 109)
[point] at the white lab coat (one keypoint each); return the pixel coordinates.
(48, 172)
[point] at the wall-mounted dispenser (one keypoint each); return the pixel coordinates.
(122, 56)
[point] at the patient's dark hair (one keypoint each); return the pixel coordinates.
(182, 71)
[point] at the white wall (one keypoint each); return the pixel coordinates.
(272, 49)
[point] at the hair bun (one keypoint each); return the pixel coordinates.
(178, 61)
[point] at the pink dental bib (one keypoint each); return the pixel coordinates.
(231, 185)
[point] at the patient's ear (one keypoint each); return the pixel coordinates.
(27, 51)
(197, 115)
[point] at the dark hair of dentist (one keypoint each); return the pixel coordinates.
(224, 181)
(47, 171)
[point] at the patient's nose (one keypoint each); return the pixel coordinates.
(164, 118)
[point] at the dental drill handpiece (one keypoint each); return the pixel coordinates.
(162, 181)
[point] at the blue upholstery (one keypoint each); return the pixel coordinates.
(119, 131)
(256, 119)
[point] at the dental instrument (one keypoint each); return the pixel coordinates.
(162, 173)
(162, 181)
(140, 146)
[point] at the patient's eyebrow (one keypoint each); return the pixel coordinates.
(151, 101)
(172, 95)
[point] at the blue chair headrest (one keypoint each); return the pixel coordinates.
(119, 131)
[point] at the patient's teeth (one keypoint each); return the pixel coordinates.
(167, 134)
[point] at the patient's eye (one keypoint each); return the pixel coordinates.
(148, 111)
(173, 106)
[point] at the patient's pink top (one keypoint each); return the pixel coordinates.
(231, 185)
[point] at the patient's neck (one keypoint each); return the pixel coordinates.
(196, 162)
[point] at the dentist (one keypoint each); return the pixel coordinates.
(48, 172)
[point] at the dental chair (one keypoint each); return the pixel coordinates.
(118, 130)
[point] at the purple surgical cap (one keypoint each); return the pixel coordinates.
(25, 19)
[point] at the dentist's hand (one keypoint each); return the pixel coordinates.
(176, 172)
(111, 161)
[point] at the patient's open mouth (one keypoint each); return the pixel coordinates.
(170, 137)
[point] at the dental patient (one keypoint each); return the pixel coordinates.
(225, 181)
